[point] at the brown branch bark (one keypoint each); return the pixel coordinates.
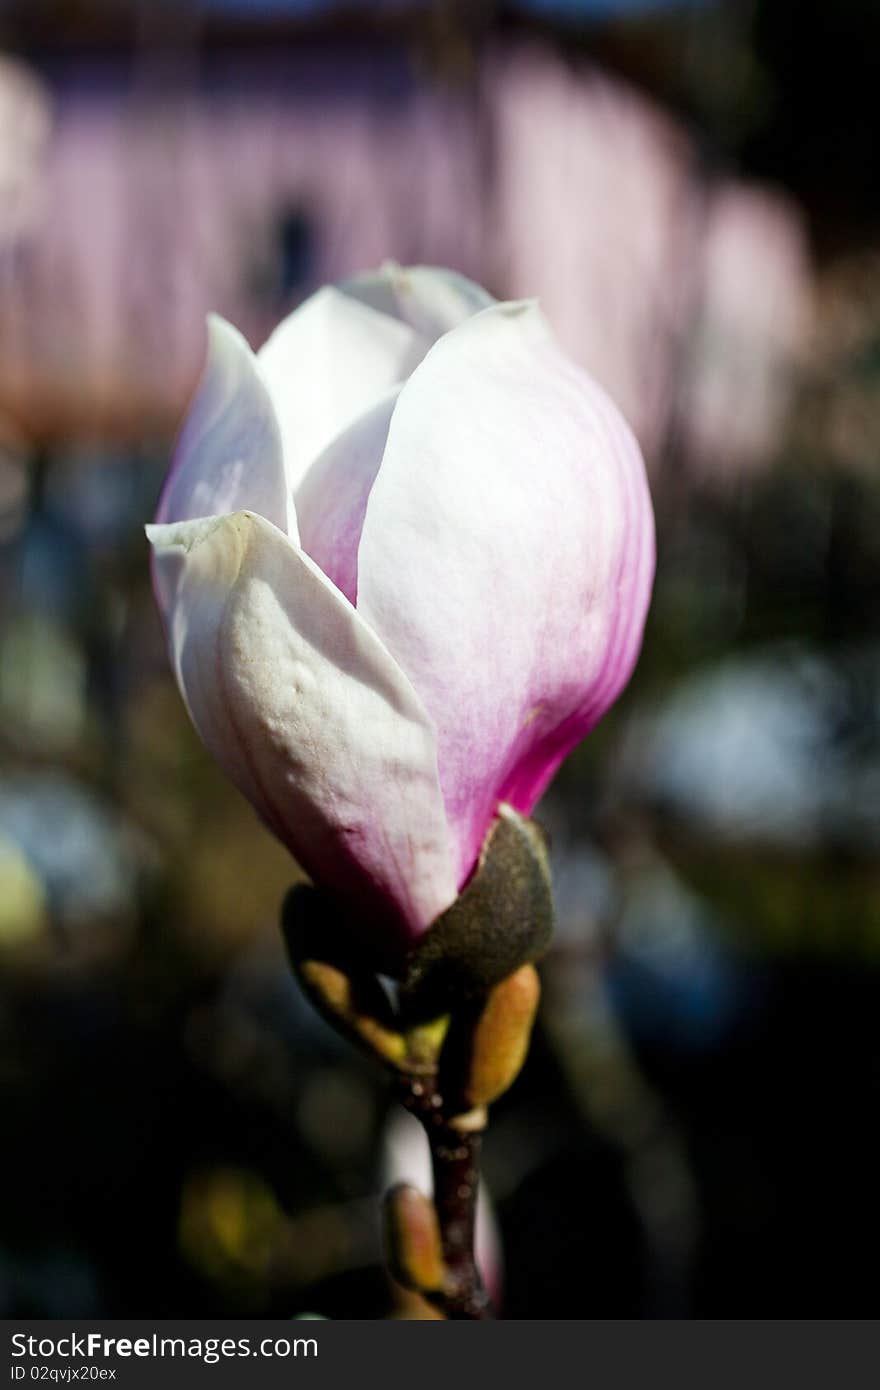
(455, 1143)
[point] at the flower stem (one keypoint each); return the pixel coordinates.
(456, 1162)
(455, 1144)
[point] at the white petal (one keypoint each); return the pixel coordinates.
(428, 298)
(331, 501)
(341, 351)
(310, 717)
(327, 363)
(228, 455)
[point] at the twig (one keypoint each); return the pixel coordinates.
(455, 1143)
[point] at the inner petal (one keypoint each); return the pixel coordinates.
(331, 500)
(431, 300)
(326, 363)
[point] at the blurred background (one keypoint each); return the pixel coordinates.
(693, 192)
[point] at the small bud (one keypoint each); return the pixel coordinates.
(487, 1046)
(352, 1006)
(501, 1038)
(424, 1043)
(412, 1237)
(337, 981)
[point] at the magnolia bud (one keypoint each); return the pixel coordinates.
(336, 980)
(385, 624)
(496, 1046)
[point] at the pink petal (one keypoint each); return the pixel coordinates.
(506, 558)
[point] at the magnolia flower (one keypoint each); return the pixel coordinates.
(403, 556)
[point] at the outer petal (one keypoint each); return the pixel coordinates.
(228, 455)
(341, 351)
(506, 558)
(310, 717)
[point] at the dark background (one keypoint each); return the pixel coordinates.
(693, 191)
